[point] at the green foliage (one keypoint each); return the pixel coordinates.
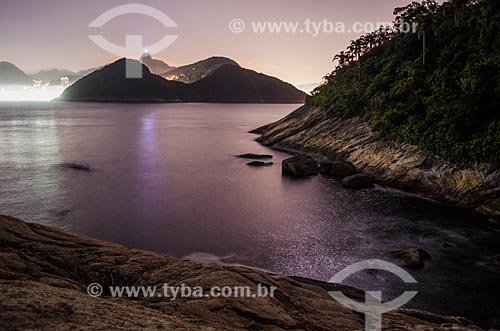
(442, 95)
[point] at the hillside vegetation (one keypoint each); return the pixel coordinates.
(438, 87)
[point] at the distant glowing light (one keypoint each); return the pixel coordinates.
(26, 93)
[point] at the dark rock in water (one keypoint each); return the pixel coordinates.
(324, 167)
(339, 170)
(260, 164)
(300, 166)
(359, 181)
(76, 166)
(412, 258)
(255, 156)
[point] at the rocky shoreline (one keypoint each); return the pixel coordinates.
(44, 273)
(326, 138)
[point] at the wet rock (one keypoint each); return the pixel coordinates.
(412, 258)
(359, 181)
(75, 166)
(260, 164)
(299, 166)
(255, 156)
(324, 134)
(44, 274)
(338, 170)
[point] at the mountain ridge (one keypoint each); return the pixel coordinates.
(232, 84)
(193, 72)
(10, 74)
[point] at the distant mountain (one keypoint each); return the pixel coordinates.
(308, 88)
(155, 66)
(53, 76)
(85, 72)
(194, 72)
(228, 83)
(231, 83)
(12, 75)
(110, 84)
(71, 78)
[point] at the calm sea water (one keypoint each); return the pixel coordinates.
(165, 178)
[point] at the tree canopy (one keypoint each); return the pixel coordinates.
(438, 88)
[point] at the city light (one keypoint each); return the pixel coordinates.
(24, 93)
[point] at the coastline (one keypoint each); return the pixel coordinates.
(326, 137)
(51, 268)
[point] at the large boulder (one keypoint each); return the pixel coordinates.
(300, 166)
(337, 169)
(412, 258)
(359, 181)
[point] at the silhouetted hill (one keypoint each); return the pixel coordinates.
(228, 83)
(110, 84)
(194, 72)
(12, 75)
(232, 83)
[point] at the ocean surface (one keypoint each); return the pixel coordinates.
(165, 177)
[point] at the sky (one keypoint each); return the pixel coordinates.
(46, 34)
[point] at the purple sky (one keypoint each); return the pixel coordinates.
(47, 34)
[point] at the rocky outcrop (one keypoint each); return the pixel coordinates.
(327, 137)
(299, 166)
(339, 170)
(358, 181)
(44, 273)
(413, 258)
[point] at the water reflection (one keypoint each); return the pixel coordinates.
(165, 178)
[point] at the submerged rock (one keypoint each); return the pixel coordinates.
(359, 181)
(412, 258)
(299, 166)
(260, 164)
(76, 166)
(255, 156)
(338, 169)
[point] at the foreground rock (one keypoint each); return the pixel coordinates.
(44, 273)
(413, 258)
(326, 137)
(338, 170)
(359, 181)
(255, 156)
(299, 166)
